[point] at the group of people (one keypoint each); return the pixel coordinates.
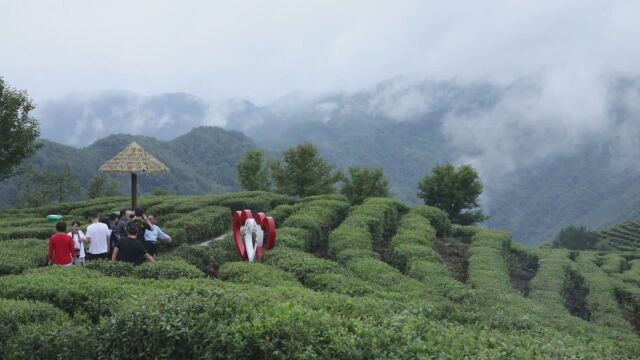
(131, 237)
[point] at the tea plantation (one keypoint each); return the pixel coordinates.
(374, 281)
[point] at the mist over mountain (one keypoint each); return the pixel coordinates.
(551, 150)
(82, 118)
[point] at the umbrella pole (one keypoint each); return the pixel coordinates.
(134, 190)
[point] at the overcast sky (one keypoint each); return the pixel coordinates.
(262, 50)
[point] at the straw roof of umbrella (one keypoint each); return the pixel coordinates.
(133, 159)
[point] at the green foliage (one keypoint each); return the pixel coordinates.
(18, 131)
(101, 186)
(437, 218)
(307, 226)
(282, 212)
(256, 273)
(298, 263)
(367, 226)
(454, 190)
(199, 225)
(17, 313)
(38, 188)
(387, 295)
(302, 172)
(253, 172)
(208, 258)
(41, 340)
(19, 255)
(576, 238)
(163, 269)
(41, 231)
(167, 269)
(363, 183)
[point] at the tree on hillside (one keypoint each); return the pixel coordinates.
(65, 184)
(38, 188)
(302, 172)
(253, 171)
(100, 186)
(454, 190)
(363, 183)
(18, 131)
(576, 238)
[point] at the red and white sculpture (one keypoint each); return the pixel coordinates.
(253, 234)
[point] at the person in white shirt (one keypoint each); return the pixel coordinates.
(98, 235)
(78, 241)
(152, 236)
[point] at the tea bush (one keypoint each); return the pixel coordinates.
(17, 313)
(163, 269)
(438, 219)
(19, 255)
(366, 226)
(256, 273)
(200, 225)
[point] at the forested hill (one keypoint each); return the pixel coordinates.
(201, 161)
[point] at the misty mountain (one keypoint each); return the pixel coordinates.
(81, 119)
(201, 161)
(548, 155)
(551, 151)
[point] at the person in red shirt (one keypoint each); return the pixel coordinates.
(61, 247)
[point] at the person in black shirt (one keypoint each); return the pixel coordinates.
(130, 249)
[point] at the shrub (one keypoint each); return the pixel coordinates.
(366, 226)
(282, 212)
(208, 258)
(163, 269)
(339, 283)
(19, 255)
(39, 231)
(576, 238)
(438, 219)
(264, 202)
(202, 224)
(110, 268)
(464, 232)
(299, 263)
(317, 217)
(167, 269)
(296, 238)
(45, 340)
(15, 313)
(256, 273)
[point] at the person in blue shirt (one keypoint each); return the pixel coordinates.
(152, 236)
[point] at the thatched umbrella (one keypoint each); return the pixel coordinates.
(133, 159)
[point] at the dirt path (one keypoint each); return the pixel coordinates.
(630, 311)
(454, 254)
(522, 268)
(206, 242)
(575, 293)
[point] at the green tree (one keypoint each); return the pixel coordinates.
(454, 190)
(34, 188)
(37, 188)
(576, 238)
(18, 131)
(253, 171)
(363, 183)
(100, 186)
(302, 172)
